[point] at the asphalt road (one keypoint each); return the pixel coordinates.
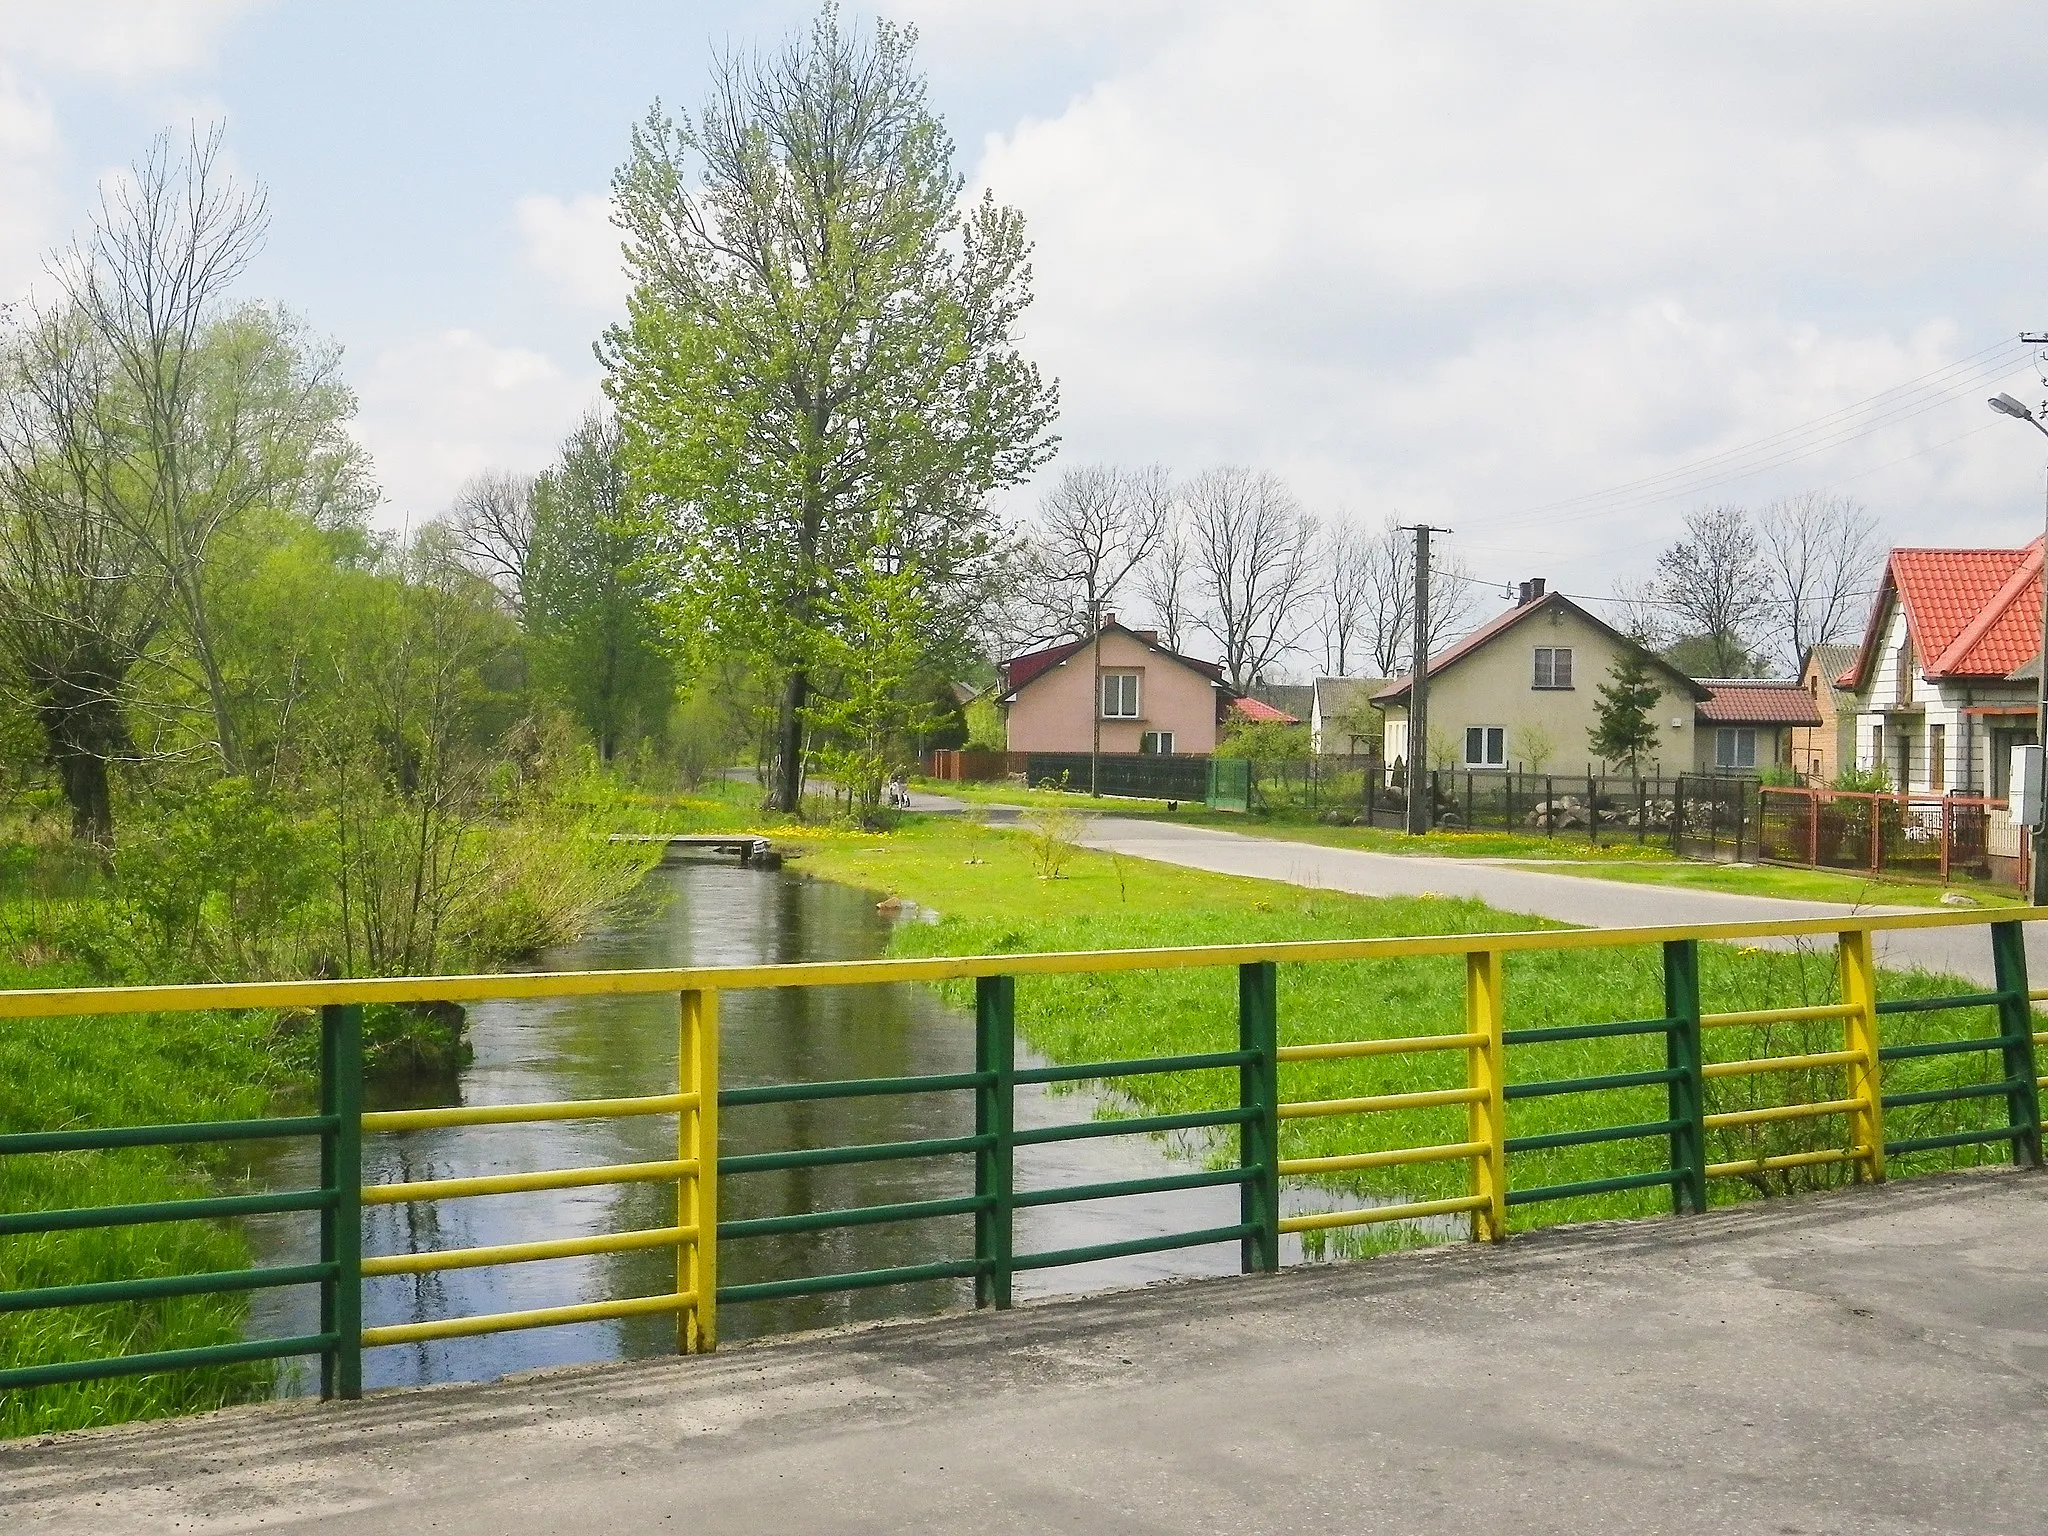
(1869, 1361)
(1580, 899)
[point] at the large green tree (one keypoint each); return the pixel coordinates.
(819, 346)
(589, 590)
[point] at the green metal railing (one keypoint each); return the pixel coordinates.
(994, 1146)
(1252, 1110)
(337, 1272)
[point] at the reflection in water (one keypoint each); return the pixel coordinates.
(590, 1048)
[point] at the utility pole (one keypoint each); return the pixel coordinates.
(1095, 750)
(1421, 813)
(2005, 405)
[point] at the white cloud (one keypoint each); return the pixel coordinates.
(1469, 261)
(112, 42)
(572, 243)
(117, 40)
(437, 409)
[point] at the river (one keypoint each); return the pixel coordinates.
(716, 913)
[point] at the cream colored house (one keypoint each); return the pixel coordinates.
(1522, 692)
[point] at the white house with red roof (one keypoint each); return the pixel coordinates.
(1940, 706)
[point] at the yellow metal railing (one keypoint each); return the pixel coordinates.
(693, 1171)
(1483, 1098)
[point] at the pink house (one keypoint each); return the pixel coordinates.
(1151, 699)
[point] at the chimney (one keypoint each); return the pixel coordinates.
(1531, 592)
(1149, 636)
(1108, 621)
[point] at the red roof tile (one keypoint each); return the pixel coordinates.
(1259, 712)
(1971, 612)
(1019, 670)
(1758, 704)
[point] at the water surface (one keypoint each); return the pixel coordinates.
(717, 913)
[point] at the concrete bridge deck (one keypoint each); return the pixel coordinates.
(1868, 1361)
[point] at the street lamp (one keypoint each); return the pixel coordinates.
(2005, 405)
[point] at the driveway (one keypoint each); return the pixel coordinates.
(1583, 900)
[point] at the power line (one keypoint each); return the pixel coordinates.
(1888, 408)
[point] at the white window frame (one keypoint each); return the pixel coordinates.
(1123, 694)
(1492, 741)
(1161, 743)
(1544, 672)
(1729, 741)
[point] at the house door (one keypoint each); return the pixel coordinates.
(1902, 745)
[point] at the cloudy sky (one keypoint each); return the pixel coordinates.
(1547, 275)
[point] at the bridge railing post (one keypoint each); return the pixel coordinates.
(995, 1124)
(2016, 1028)
(341, 1217)
(1258, 1093)
(1486, 1117)
(697, 1188)
(1857, 967)
(1684, 1054)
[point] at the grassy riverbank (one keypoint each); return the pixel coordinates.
(58, 1073)
(984, 885)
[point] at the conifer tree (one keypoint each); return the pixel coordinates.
(1624, 730)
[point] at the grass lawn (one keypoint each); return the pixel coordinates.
(1017, 794)
(990, 899)
(1304, 828)
(59, 1073)
(1789, 882)
(1641, 863)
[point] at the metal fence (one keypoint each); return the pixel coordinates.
(1703, 1103)
(1704, 815)
(1933, 836)
(1221, 783)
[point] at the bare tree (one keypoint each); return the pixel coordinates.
(1254, 567)
(1712, 582)
(1095, 527)
(490, 527)
(1166, 582)
(1639, 613)
(1818, 552)
(1387, 619)
(1346, 555)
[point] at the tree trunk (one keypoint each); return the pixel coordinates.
(789, 744)
(81, 734)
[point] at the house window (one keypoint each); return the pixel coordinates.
(1735, 747)
(1119, 695)
(1158, 743)
(1937, 758)
(1553, 666)
(1486, 746)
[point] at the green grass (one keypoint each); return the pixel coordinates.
(1615, 859)
(1793, 883)
(982, 883)
(61, 1073)
(1304, 827)
(1017, 794)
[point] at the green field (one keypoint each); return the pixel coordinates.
(990, 901)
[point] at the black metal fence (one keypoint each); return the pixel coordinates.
(1707, 816)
